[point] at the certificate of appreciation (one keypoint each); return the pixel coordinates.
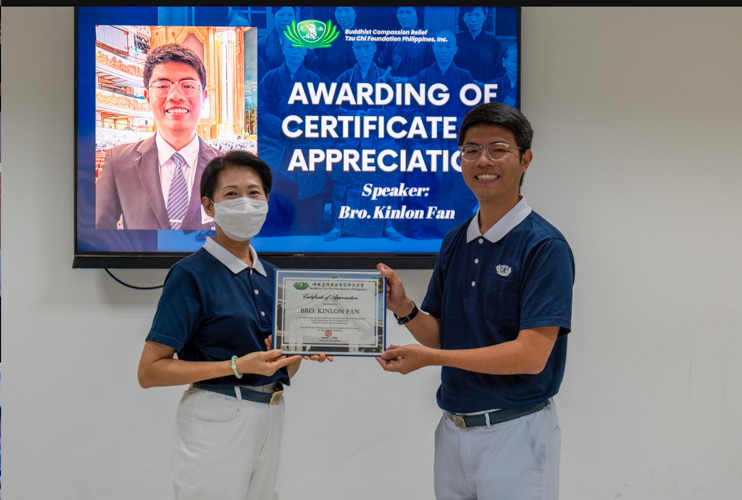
(330, 312)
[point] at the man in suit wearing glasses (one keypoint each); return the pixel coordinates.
(154, 183)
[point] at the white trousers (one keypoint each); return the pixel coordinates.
(513, 460)
(225, 448)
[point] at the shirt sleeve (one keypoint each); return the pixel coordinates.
(179, 312)
(546, 289)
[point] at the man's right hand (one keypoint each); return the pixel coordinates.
(396, 299)
(425, 328)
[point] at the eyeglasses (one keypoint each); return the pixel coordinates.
(188, 88)
(496, 151)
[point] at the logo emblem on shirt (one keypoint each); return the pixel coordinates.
(503, 270)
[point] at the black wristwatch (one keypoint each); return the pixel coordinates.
(409, 317)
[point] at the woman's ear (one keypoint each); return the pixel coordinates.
(208, 206)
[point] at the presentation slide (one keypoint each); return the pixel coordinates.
(355, 109)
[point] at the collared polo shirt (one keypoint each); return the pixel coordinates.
(485, 289)
(215, 306)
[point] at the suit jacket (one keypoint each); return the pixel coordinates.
(130, 185)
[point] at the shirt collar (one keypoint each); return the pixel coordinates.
(230, 260)
(510, 220)
(165, 150)
(440, 71)
(299, 71)
(357, 70)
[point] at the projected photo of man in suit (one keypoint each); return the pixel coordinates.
(149, 184)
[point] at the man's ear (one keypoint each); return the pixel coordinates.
(525, 161)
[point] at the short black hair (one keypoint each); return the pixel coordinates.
(418, 10)
(236, 158)
(173, 52)
(282, 38)
(276, 9)
(235, 14)
(502, 115)
(466, 10)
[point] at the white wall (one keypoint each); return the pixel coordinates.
(637, 114)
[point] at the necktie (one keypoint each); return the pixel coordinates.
(177, 201)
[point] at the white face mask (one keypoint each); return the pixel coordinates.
(240, 218)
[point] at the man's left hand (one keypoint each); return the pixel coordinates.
(321, 358)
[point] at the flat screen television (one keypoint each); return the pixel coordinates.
(355, 109)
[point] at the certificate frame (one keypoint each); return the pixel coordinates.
(330, 311)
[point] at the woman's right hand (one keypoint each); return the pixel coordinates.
(264, 362)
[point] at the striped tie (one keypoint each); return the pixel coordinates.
(177, 202)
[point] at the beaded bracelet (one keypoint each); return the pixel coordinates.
(234, 367)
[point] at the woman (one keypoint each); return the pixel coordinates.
(216, 312)
(478, 51)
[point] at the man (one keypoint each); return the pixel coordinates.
(150, 184)
(406, 58)
(298, 198)
(498, 311)
(479, 52)
(447, 189)
(338, 57)
(507, 85)
(348, 187)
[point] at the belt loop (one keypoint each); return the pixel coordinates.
(487, 419)
(238, 393)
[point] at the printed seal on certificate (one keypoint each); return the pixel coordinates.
(339, 313)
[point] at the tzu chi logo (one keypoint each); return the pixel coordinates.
(503, 270)
(301, 285)
(328, 333)
(311, 34)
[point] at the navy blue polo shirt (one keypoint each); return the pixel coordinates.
(214, 306)
(486, 289)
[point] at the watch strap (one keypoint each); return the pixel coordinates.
(409, 317)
